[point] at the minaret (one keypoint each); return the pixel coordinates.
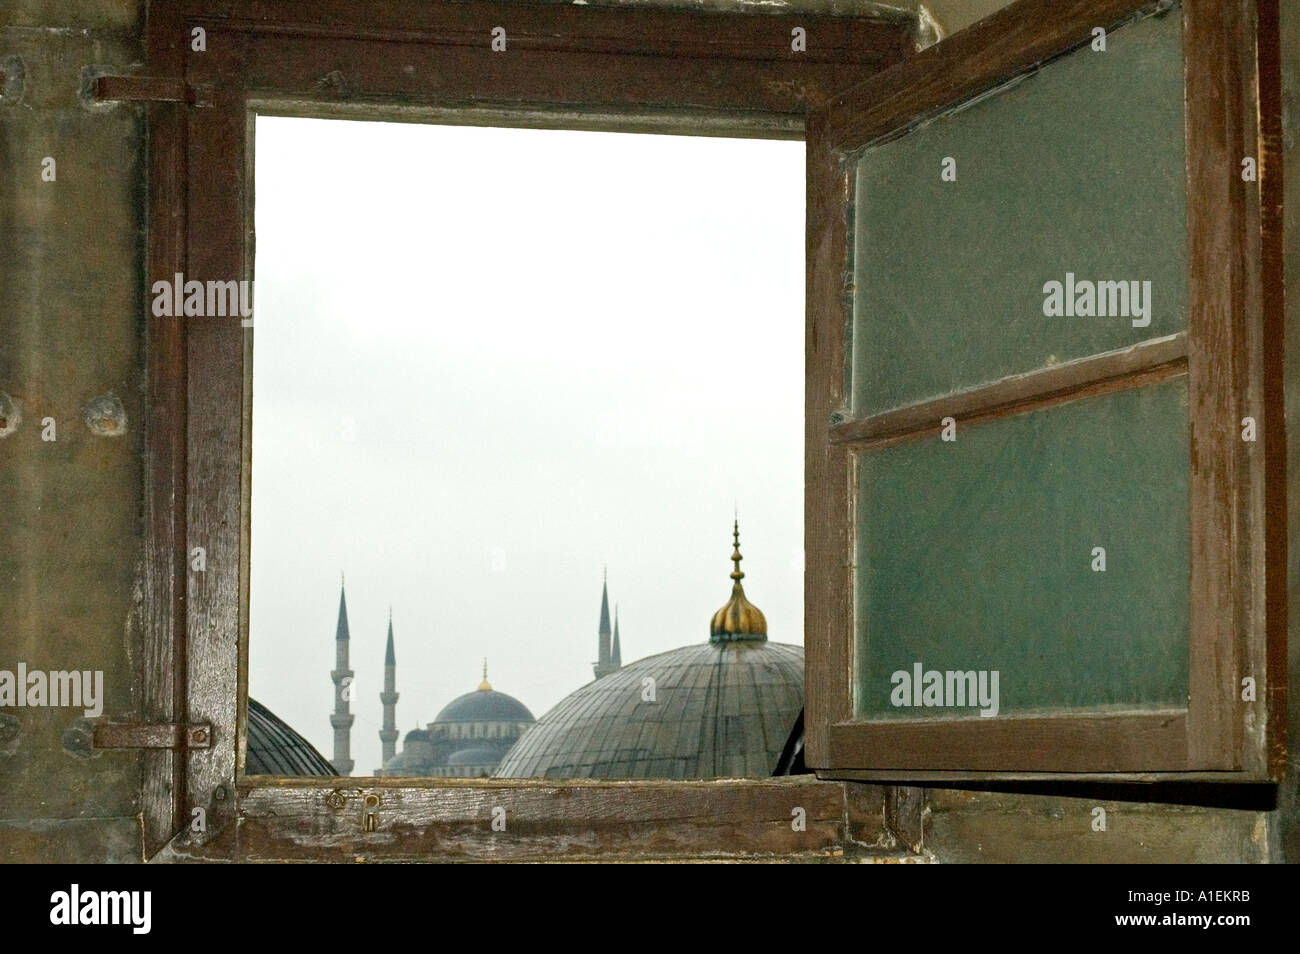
(616, 654)
(388, 734)
(342, 718)
(603, 666)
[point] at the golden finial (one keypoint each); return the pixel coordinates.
(485, 686)
(735, 553)
(739, 619)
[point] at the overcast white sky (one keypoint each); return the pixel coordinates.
(488, 362)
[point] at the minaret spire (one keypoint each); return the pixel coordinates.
(342, 718)
(603, 666)
(388, 734)
(616, 653)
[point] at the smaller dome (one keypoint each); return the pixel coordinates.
(416, 735)
(485, 705)
(739, 619)
(475, 755)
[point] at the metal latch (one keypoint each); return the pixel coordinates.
(137, 735)
(156, 89)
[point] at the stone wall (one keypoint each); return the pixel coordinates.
(71, 320)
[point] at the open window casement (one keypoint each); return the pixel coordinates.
(1045, 469)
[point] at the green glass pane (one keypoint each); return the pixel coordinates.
(1077, 169)
(978, 554)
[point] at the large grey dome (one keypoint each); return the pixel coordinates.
(274, 748)
(484, 705)
(721, 709)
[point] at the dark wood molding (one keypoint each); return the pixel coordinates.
(1272, 341)
(295, 819)
(1005, 44)
(217, 246)
(1225, 326)
(1215, 296)
(409, 53)
(869, 38)
(1140, 365)
(163, 686)
(828, 519)
(1084, 742)
(1210, 789)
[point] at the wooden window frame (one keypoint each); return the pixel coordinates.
(1234, 369)
(566, 66)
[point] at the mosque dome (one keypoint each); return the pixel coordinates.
(484, 704)
(724, 708)
(274, 748)
(466, 739)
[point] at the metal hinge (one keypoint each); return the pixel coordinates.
(153, 89)
(138, 735)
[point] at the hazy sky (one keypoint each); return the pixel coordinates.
(490, 362)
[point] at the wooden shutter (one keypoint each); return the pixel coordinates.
(979, 443)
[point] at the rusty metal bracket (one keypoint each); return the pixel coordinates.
(153, 89)
(137, 735)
